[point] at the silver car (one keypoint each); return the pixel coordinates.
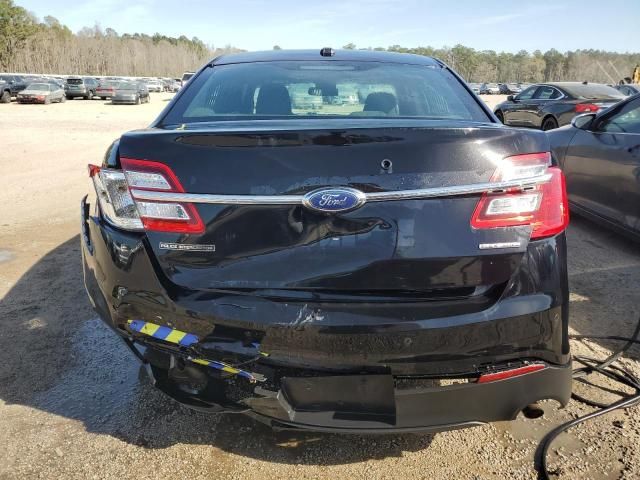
(42, 93)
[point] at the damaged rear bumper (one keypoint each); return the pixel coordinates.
(343, 371)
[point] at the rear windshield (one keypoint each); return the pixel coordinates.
(127, 86)
(74, 81)
(317, 89)
(39, 86)
(593, 92)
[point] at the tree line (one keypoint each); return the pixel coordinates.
(29, 45)
(552, 65)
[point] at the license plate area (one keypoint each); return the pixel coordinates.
(348, 397)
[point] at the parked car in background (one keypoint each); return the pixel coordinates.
(16, 83)
(154, 85)
(489, 89)
(475, 88)
(42, 93)
(550, 105)
(509, 88)
(186, 76)
(131, 93)
(83, 87)
(320, 291)
(106, 89)
(174, 86)
(600, 156)
(628, 89)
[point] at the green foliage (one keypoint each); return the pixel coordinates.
(489, 66)
(16, 26)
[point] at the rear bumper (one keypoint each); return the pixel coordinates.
(319, 354)
(420, 409)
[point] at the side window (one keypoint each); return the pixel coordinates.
(546, 93)
(627, 120)
(527, 94)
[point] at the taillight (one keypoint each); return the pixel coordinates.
(122, 209)
(544, 206)
(586, 108)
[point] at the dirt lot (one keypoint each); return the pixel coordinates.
(71, 402)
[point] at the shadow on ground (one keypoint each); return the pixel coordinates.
(56, 356)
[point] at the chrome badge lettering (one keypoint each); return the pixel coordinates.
(187, 247)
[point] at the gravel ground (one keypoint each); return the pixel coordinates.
(72, 404)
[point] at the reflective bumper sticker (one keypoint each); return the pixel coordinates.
(252, 377)
(167, 334)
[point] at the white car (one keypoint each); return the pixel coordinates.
(154, 86)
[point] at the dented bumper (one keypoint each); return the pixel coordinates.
(335, 367)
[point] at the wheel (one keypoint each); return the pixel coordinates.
(47, 101)
(148, 98)
(68, 97)
(89, 96)
(500, 116)
(549, 123)
(63, 99)
(137, 100)
(5, 97)
(103, 98)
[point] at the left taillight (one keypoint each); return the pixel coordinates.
(123, 210)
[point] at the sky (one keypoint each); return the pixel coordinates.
(500, 25)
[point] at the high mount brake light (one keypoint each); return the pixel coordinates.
(543, 207)
(121, 209)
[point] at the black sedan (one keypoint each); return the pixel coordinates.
(320, 268)
(130, 93)
(600, 156)
(551, 105)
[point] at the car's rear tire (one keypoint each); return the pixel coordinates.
(549, 123)
(5, 97)
(500, 116)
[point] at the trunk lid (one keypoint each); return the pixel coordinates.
(425, 248)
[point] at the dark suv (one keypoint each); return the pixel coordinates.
(80, 87)
(392, 263)
(14, 84)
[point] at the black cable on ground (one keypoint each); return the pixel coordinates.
(606, 368)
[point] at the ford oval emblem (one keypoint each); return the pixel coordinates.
(340, 199)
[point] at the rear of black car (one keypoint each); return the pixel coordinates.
(343, 244)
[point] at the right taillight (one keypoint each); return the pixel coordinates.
(123, 210)
(543, 206)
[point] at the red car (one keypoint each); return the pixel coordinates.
(106, 89)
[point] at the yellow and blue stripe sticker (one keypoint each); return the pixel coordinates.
(252, 377)
(159, 332)
(185, 339)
